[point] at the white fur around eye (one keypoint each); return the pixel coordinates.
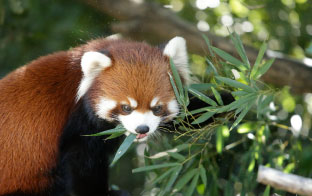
(176, 49)
(173, 107)
(154, 102)
(92, 63)
(104, 107)
(133, 102)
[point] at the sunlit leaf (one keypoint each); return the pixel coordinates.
(266, 191)
(240, 48)
(201, 189)
(124, 147)
(219, 140)
(245, 128)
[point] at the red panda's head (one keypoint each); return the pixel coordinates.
(130, 84)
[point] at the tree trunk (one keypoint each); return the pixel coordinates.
(150, 22)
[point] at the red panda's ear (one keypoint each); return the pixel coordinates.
(176, 49)
(92, 63)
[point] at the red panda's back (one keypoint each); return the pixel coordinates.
(35, 102)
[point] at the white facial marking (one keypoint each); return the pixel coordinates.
(154, 101)
(135, 119)
(133, 103)
(176, 49)
(173, 107)
(104, 107)
(92, 63)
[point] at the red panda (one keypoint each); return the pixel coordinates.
(46, 105)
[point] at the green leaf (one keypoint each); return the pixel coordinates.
(203, 97)
(208, 44)
(203, 175)
(241, 116)
(217, 96)
(186, 97)
(192, 187)
(114, 135)
(238, 103)
(264, 68)
(184, 179)
(124, 147)
(175, 90)
(203, 118)
(163, 176)
(152, 167)
(202, 86)
(239, 93)
(226, 56)
(177, 156)
(174, 175)
(219, 140)
(266, 191)
(109, 132)
(235, 84)
(177, 78)
(212, 66)
(204, 109)
(259, 59)
(263, 103)
(201, 189)
(240, 48)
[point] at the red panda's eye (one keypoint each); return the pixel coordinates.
(157, 110)
(126, 108)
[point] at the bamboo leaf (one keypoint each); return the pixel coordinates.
(264, 68)
(192, 187)
(152, 167)
(235, 84)
(114, 135)
(239, 93)
(202, 86)
(174, 175)
(203, 118)
(124, 147)
(226, 56)
(177, 78)
(241, 116)
(177, 156)
(175, 90)
(117, 129)
(208, 44)
(212, 66)
(163, 176)
(203, 175)
(238, 103)
(240, 48)
(184, 179)
(203, 97)
(259, 59)
(217, 96)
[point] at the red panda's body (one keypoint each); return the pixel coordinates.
(42, 117)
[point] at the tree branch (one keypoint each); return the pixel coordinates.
(151, 22)
(287, 182)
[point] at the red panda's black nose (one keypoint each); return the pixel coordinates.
(142, 129)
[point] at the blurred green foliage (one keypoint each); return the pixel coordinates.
(32, 28)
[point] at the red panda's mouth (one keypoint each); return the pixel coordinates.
(140, 136)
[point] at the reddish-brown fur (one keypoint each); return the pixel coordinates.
(35, 102)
